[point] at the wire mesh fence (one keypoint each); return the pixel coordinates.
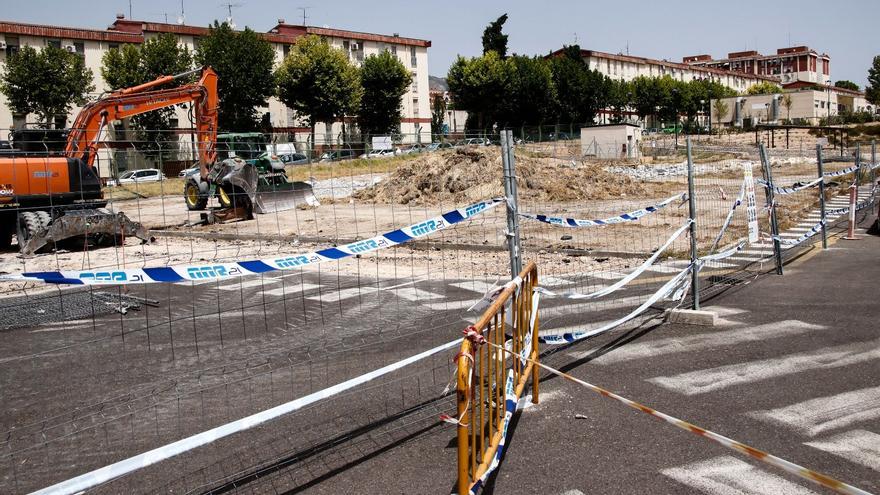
(92, 374)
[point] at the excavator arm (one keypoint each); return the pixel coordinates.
(83, 139)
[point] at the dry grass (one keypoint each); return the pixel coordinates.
(346, 168)
(167, 187)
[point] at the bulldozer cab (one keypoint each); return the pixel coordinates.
(245, 145)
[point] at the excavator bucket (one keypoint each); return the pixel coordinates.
(284, 196)
(95, 223)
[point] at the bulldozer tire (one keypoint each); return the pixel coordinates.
(6, 231)
(194, 198)
(225, 195)
(234, 197)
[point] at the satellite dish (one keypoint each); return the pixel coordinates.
(181, 20)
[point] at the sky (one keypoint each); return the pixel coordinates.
(848, 30)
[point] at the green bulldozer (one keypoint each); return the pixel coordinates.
(246, 176)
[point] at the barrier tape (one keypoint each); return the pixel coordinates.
(625, 280)
(724, 254)
(625, 217)
(787, 466)
(815, 229)
(509, 409)
(664, 291)
(845, 171)
(220, 271)
(861, 206)
(121, 468)
(738, 201)
(789, 190)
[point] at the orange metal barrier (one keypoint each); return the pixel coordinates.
(491, 382)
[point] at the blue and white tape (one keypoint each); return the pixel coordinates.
(790, 190)
(843, 211)
(723, 254)
(622, 218)
(623, 281)
(221, 271)
(664, 291)
(815, 229)
(509, 409)
(845, 171)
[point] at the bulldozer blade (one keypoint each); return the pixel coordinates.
(81, 223)
(280, 199)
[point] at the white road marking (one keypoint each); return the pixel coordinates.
(702, 381)
(291, 289)
(413, 294)
(339, 295)
(478, 286)
(826, 413)
(704, 341)
(247, 284)
(858, 446)
(728, 475)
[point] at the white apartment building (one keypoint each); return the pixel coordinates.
(92, 44)
(787, 65)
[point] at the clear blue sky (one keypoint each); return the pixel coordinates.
(848, 30)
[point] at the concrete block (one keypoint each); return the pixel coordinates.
(691, 317)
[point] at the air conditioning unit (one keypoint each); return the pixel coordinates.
(2, 45)
(70, 48)
(356, 47)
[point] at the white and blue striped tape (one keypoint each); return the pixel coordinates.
(220, 271)
(509, 409)
(861, 206)
(622, 218)
(845, 171)
(789, 190)
(815, 229)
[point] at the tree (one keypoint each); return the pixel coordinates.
(619, 96)
(847, 85)
(872, 91)
(579, 90)
(385, 81)
(763, 88)
(438, 113)
(721, 108)
(46, 82)
(477, 85)
(495, 40)
(529, 94)
(243, 61)
(787, 102)
(318, 82)
(132, 65)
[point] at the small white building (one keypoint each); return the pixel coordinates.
(613, 141)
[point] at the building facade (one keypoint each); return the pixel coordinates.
(92, 44)
(809, 105)
(788, 65)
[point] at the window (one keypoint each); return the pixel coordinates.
(394, 50)
(55, 43)
(80, 48)
(415, 83)
(113, 46)
(285, 50)
(412, 56)
(11, 46)
(382, 47)
(415, 104)
(18, 120)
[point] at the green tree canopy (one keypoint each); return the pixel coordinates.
(847, 85)
(438, 113)
(872, 90)
(318, 82)
(494, 39)
(477, 86)
(45, 82)
(132, 65)
(529, 94)
(619, 94)
(763, 88)
(579, 90)
(243, 61)
(385, 81)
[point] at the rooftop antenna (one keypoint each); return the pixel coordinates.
(181, 19)
(627, 47)
(575, 38)
(304, 10)
(129, 10)
(229, 7)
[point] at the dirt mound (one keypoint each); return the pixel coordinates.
(471, 174)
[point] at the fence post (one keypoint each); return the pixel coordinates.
(873, 162)
(821, 168)
(507, 161)
(771, 205)
(692, 213)
(463, 390)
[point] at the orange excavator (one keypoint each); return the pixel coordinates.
(47, 199)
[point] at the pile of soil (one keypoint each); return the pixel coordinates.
(471, 174)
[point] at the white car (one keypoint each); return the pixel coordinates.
(138, 176)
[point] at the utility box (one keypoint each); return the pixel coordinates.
(611, 142)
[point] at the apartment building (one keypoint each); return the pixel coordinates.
(809, 105)
(92, 44)
(787, 65)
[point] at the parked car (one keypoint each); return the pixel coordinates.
(378, 154)
(188, 171)
(138, 176)
(673, 129)
(337, 155)
(438, 146)
(293, 158)
(412, 148)
(475, 142)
